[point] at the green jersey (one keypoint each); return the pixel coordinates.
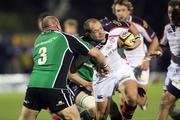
(86, 69)
(53, 55)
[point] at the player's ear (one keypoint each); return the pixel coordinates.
(58, 27)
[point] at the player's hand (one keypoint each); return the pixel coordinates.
(145, 64)
(141, 92)
(88, 86)
(155, 54)
(103, 70)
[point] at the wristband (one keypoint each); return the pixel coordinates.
(147, 59)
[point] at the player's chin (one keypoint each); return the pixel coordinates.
(130, 48)
(102, 37)
(121, 19)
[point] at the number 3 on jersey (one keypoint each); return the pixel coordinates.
(43, 56)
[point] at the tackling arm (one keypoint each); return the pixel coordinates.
(74, 77)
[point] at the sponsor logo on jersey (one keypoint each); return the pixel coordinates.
(26, 102)
(100, 96)
(112, 40)
(60, 103)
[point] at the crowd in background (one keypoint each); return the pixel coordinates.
(19, 29)
(16, 51)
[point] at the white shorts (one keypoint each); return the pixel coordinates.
(104, 86)
(173, 75)
(142, 76)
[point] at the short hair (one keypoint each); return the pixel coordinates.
(174, 3)
(49, 22)
(43, 15)
(126, 3)
(71, 22)
(87, 22)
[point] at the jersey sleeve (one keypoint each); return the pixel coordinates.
(164, 40)
(148, 33)
(145, 30)
(78, 46)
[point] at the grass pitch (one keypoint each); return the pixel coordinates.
(11, 103)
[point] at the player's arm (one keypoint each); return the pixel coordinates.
(154, 48)
(99, 58)
(74, 77)
(79, 46)
(128, 40)
(163, 43)
(150, 35)
(135, 32)
(77, 62)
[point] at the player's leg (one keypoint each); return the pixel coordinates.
(167, 101)
(31, 105)
(102, 110)
(86, 102)
(103, 88)
(128, 90)
(174, 112)
(62, 103)
(142, 77)
(114, 112)
(169, 98)
(142, 96)
(69, 113)
(28, 114)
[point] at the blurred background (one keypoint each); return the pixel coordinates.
(18, 25)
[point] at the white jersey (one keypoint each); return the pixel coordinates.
(136, 56)
(110, 49)
(103, 86)
(172, 36)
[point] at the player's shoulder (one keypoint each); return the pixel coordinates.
(70, 37)
(168, 25)
(121, 23)
(168, 28)
(88, 39)
(139, 21)
(108, 25)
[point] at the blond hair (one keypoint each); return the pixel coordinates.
(126, 3)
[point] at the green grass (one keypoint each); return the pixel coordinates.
(11, 103)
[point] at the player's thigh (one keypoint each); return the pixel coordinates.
(102, 107)
(28, 114)
(70, 112)
(79, 97)
(85, 101)
(129, 89)
(168, 100)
